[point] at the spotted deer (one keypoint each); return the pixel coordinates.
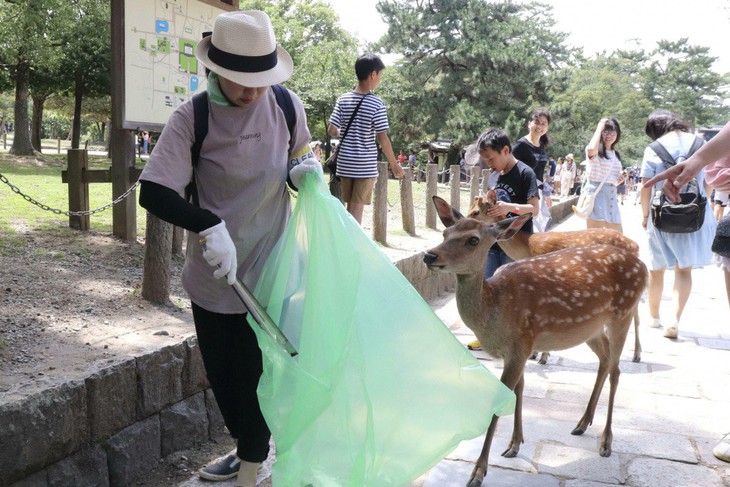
(579, 295)
(523, 245)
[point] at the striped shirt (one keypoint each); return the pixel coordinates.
(358, 154)
(600, 169)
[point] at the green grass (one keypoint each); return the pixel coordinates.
(44, 185)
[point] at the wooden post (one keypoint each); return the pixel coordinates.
(78, 188)
(406, 202)
(59, 145)
(157, 260)
(455, 181)
(474, 183)
(5, 140)
(485, 181)
(380, 205)
(122, 141)
(431, 190)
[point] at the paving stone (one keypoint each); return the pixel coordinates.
(705, 446)
(714, 343)
(468, 451)
(646, 472)
(194, 377)
(583, 483)
(455, 474)
(658, 445)
(577, 463)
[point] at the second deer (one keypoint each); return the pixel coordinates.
(523, 245)
(580, 295)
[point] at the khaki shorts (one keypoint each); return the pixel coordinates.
(358, 190)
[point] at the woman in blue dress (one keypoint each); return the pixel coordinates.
(680, 252)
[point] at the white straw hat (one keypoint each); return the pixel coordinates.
(243, 49)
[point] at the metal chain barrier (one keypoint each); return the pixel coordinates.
(63, 212)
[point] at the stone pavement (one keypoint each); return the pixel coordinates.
(670, 409)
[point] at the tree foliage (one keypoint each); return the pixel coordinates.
(472, 63)
(28, 31)
(323, 52)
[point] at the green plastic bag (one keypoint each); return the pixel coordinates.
(381, 390)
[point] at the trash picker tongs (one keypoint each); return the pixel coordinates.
(260, 315)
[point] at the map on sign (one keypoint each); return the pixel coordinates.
(161, 71)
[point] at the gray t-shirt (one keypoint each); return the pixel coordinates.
(241, 177)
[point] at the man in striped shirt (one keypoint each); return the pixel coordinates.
(358, 154)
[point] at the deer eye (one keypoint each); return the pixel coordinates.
(474, 241)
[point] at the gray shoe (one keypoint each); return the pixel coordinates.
(223, 468)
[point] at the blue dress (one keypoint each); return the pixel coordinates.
(677, 250)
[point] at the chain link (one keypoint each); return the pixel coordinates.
(63, 212)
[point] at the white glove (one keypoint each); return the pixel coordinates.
(220, 251)
(307, 166)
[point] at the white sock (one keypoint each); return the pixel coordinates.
(247, 474)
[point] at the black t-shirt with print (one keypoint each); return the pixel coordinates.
(518, 186)
(533, 156)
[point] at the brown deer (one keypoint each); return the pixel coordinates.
(581, 295)
(524, 245)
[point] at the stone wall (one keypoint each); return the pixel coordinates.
(117, 424)
(110, 428)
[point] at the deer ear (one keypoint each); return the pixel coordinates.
(507, 228)
(492, 197)
(446, 213)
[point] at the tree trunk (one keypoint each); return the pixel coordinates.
(178, 234)
(78, 96)
(21, 142)
(157, 260)
(37, 122)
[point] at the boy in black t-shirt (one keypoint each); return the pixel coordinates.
(516, 187)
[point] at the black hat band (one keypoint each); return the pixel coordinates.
(244, 64)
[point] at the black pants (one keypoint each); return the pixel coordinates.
(232, 361)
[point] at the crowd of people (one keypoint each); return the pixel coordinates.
(255, 148)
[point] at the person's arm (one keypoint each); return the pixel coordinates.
(645, 201)
(166, 204)
(680, 174)
(385, 144)
(592, 148)
(333, 131)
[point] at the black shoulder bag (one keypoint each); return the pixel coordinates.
(687, 215)
(331, 162)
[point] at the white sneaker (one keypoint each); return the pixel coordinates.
(247, 474)
(655, 323)
(672, 331)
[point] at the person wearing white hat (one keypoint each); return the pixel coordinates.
(242, 208)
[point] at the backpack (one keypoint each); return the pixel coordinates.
(686, 216)
(200, 124)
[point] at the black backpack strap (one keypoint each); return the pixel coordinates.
(696, 144)
(666, 158)
(200, 129)
(283, 99)
(663, 154)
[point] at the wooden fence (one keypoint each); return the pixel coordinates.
(477, 183)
